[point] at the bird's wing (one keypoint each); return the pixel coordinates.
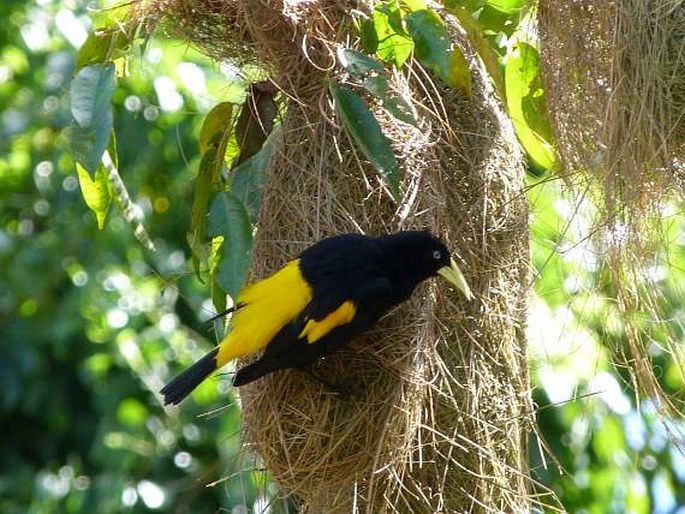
(266, 307)
(363, 304)
(338, 269)
(305, 340)
(351, 317)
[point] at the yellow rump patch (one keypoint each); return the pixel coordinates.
(267, 306)
(315, 330)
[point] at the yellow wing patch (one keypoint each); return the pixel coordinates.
(315, 330)
(268, 305)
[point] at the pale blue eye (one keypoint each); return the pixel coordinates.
(437, 255)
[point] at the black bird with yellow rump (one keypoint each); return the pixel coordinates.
(315, 304)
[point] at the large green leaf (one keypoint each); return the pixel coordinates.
(507, 6)
(480, 42)
(249, 177)
(217, 293)
(206, 184)
(214, 134)
(229, 220)
(87, 145)
(216, 126)
(394, 45)
(367, 34)
(90, 95)
(97, 191)
(435, 50)
(367, 133)
(373, 77)
(526, 104)
(359, 65)
(501, 16)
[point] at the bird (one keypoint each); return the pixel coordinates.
(316, 303)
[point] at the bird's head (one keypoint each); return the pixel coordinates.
(421, 255)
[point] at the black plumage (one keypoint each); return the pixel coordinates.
(352, 280)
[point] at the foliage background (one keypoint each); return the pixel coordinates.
(91, 324)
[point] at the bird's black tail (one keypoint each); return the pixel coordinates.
(252, 372)
(183, 384)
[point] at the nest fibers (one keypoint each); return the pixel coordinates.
(615, 78)
(439, 415)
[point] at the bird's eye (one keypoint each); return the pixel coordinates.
(437, 255)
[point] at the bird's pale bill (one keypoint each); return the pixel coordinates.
(454, 276)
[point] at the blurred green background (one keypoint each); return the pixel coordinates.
(92, 325)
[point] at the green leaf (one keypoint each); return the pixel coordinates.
(430, 37)
(526, 105)
(248, 179)
(87, 146)
(367, 133)
(217, 293)
(103, 45)
(216, 126)
(377, 84)
(218, 145)
(357, 64)
(400, 109)
(501, 16)
(394, 44)
(95, 192)
(510, 7)
(91, 93)
(367, 35)
(434, 50)
(228, 219)
(413, 5)
(214, 138)
(206, 184)
(458, 72)
(480, 42)
(371, 74)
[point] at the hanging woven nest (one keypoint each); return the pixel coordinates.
(437, 419)
(615, 78)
